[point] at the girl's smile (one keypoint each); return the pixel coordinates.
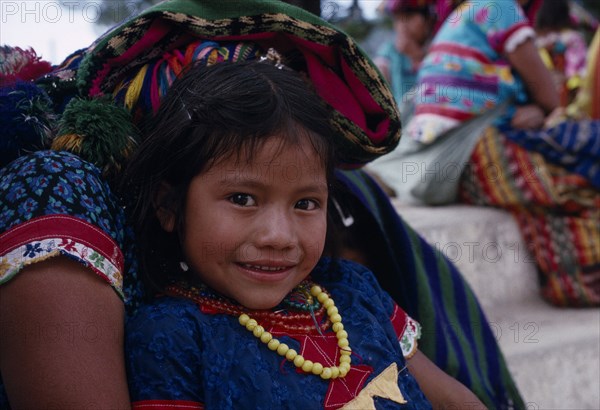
(265, 272)
(255, 225)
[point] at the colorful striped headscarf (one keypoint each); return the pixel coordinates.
(137, 61)
(142, 90)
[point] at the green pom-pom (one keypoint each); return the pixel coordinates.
(98, 131)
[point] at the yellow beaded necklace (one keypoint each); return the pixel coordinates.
(308, 366)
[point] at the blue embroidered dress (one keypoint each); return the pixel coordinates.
(185, 351)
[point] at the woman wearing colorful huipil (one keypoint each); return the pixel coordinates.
(486, 109)
(470, 68)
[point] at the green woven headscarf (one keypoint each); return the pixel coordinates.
(365, 114)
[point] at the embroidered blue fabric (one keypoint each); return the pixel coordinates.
(176, 352)
(60, 183)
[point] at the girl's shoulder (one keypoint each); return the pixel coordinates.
(332, 269)
(345, 274)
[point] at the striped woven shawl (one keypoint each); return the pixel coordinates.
(456, 333)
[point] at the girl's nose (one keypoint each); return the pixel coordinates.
(275, 229)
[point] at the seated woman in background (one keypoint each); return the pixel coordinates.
(480, 106)
(470, 68)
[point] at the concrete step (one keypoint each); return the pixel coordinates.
(486, 246)
(553, 354)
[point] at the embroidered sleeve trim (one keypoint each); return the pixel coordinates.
(409, 340)
(518, 37)
(166, 404)
(44, 237)
(407, 330)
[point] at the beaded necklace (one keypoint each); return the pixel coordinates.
(309, 299)
(299, 361)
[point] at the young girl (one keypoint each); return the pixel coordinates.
(232, 192)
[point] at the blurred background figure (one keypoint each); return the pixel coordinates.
(484, 104)
(399, 58)
(563, 48)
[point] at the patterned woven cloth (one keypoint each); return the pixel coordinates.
(456, 334)
(574, 145)
(364, 111)
(558, 212)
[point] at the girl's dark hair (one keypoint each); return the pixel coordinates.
(209, 114)
(553, 15)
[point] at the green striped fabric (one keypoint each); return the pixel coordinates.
(456, 334)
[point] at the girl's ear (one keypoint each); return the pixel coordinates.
(165, 215)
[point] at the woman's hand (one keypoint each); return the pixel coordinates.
(558, 115)
(528, 117)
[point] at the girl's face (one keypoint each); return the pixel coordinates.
(255, 226)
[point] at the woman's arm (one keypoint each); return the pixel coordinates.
(61, 330)
(443, 391)
(525, 59)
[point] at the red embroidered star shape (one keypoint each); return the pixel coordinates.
(324, 350)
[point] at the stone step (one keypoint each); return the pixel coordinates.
(485, 245)
(553, 354)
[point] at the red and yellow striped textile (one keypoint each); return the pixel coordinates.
(558, 213)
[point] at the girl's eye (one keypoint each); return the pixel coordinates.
(307, 204)
(242, 199)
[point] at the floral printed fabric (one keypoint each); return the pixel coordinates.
(54, 203)
(408, 331)
(565, 54)
(568, 50)
(47, 236)
(465, 71)
(175, 352)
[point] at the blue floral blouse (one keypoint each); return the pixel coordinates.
(54, 203)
